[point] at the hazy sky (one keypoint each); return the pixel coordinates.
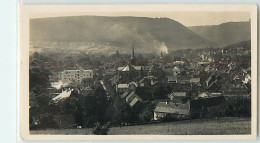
(186, 18)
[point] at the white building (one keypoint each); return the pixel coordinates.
(63, 95)
(122, 88)
(76, 75)
(171, 109)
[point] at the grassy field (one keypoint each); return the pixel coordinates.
(221, 126)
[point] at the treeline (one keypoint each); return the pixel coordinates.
(220, 107)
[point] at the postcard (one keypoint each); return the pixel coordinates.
(138, 72)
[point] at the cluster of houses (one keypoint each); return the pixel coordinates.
(131, 98)
(211, 81)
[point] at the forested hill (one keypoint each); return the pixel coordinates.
(226, 33)
(119, 32)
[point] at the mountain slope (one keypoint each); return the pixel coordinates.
(147, 34)
(226, 33)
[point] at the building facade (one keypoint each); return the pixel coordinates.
(76, 75)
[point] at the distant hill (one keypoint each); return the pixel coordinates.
(146, 34)
(226, 33)
(244, 44)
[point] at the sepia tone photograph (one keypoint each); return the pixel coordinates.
(138, 70)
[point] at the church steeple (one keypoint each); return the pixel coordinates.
(117, 54)
(133, 51)
(132, 60)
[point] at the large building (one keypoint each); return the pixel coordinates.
(76, 75)
(110, 72)
(171, 110)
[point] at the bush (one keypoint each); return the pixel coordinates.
(230, 107)
(238, 107)
(100, 129)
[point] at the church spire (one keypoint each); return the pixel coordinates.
(117, 53)
(161, 55)
(133, 51)
(132, 60)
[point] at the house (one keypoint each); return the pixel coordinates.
(172, 79)
(203, 63)
(110, 72)
(235, 92)
(171, 110)
(195, 81)
(124, 94)
(183, 79)
(204, 95)
(177, 96)
(63, 95)
(207, 104)
(212, 79)
(60, 84)
(216, 94)
(130, 71)
(178, 62)
(122, 88)
(132, 99)
(176, 71)
(76, 75)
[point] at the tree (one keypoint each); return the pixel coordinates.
(121, 111)
(160, 91)
(38, 97)
(147, 113)
(38, 79)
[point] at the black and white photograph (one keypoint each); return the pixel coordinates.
(138, 70)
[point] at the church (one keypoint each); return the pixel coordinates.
(131, 70)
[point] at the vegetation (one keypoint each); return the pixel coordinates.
(221, 107)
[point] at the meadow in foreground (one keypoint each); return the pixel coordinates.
(220, 126)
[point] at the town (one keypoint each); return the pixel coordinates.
(82, 91)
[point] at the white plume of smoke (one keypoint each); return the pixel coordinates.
(164, 48)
